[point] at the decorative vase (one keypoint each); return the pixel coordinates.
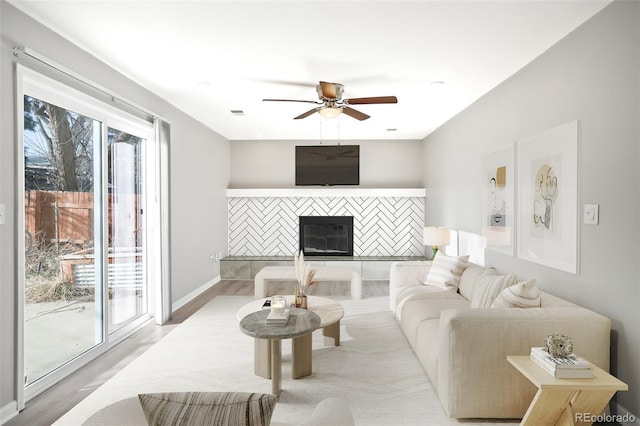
(299, 298)
(297, 295)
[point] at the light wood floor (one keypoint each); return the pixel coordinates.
(50, 405)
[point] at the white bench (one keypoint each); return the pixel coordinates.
(323, 273)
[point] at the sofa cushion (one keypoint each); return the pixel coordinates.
(207, 408)
(488, 287)
(445, 271)
(522, 295)
(427, 347)
(469, 278)
(426, 306)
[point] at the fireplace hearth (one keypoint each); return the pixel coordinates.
(326, 235)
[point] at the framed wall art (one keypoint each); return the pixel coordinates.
(498, 186)
(548, 198)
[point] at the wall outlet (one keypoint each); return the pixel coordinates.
(212, 259)
(591, 213)
(218, 256)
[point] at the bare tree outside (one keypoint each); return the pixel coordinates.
(58, 153)
(63, 141)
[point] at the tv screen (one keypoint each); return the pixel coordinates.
(328, 165)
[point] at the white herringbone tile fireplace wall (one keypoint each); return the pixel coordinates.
(383, 226)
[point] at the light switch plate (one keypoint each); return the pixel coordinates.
(591, 214)
(2, 213)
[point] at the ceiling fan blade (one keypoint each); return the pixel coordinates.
(355, 113)
(306, 114)
(285, 82)
(373, 100)
(291, 100)
(329, 90)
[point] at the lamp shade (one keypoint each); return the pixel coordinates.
(435, 236)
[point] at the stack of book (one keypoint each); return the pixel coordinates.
(278, 318)
(571, 367)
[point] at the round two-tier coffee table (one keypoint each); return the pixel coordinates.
(329, 312)
(301, 322)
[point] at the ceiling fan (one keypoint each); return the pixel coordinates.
(331, 104)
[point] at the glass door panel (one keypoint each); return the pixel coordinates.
(63, 286)
(126, 283)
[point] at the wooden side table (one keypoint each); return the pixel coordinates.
(564, 402)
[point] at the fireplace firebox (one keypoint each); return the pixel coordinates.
(326, 235)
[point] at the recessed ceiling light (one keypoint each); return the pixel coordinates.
(392, 130)
(203, 83)
(237, 112)
(437, 83)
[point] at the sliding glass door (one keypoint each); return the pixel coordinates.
(63, 245)
(128, 295)
(86, 194)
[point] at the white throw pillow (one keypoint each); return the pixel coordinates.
(445, 271)
(489, 286)
(522, 295)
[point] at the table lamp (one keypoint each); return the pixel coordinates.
(435, 236)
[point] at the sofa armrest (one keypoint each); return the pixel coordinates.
(474, 377)
(406, 274)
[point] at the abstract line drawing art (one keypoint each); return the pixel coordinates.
(498, 204)
(548, 198)
(546, 192)
(498, 185)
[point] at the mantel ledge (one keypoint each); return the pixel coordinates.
(325, 192)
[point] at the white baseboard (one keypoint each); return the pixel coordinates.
(8, 412)
(195, 293)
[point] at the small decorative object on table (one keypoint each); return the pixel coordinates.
(305, 275)
(557, 359)
(279, 314)
(278, 303)
(559, 345)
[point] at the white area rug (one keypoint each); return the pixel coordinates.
(374, 370)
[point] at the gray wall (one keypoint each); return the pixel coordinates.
(383, 163)
(199, 176)
(593, 76)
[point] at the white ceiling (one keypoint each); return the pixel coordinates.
(210, 57)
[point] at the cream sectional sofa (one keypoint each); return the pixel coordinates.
(463, 350)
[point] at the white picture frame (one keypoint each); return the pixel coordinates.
(498, 200)
(548, 198)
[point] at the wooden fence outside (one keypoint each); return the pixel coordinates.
(67, 217)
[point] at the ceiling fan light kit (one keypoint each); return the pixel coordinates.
(331, 104)
(330, 112)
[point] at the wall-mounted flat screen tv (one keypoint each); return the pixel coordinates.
(328, 165)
